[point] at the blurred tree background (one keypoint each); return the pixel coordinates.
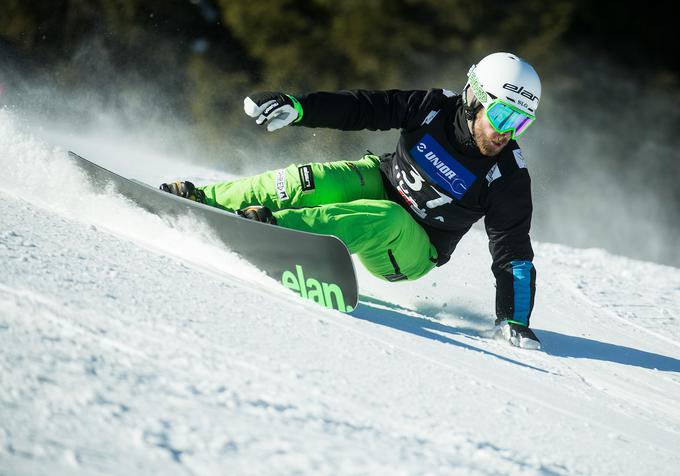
(610, 73)
(200, 57)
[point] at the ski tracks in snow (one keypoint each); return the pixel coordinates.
(120, 357)
(604, 379)
(118, 360)
(115, 348)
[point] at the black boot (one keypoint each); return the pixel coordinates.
(185, 190)
(258, 213)
(517, 334)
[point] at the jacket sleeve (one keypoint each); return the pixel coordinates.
(507, 222)
(360, 109)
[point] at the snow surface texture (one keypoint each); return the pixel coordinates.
(129, 346)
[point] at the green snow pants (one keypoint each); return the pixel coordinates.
(346, 199)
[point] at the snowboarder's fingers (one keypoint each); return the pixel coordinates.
(275, 124)
(281, 117)
(267, 117)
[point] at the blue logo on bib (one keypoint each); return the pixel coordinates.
(440, 166)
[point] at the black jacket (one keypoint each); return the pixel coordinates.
(439, 175)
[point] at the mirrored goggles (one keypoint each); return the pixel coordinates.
(505, 117)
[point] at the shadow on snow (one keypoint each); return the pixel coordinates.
(397, 318)
(553, 343)
(562, 345)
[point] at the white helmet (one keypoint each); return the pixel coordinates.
(508, 78)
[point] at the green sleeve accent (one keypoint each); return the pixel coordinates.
(298, 108)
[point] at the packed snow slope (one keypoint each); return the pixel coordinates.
(129, 345)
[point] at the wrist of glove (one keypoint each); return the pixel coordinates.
(274, 109)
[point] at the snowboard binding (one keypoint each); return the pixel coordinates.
(258, 213)
(185, 190)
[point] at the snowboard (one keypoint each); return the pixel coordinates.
(316, 267)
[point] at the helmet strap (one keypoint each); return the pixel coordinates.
(472, 108)
(470, 111)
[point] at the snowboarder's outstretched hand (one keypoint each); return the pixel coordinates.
(273, 108)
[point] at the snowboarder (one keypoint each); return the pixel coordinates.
(404, 212)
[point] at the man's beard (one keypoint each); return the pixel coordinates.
(486, 145)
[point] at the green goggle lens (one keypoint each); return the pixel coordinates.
(505, 117)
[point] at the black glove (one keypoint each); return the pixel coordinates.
(184, 190)
(257, 213)
(274, 108)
